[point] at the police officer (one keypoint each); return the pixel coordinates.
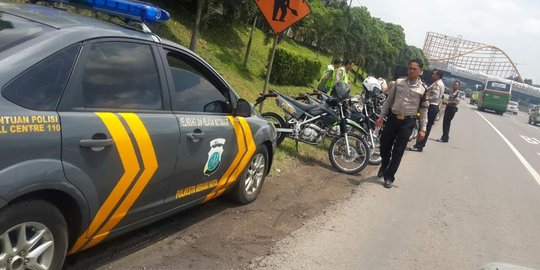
(327, 81)
(434, 94)
(405, 99)
(342, 73)
(450, 111)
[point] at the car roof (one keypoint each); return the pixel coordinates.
(68, 28)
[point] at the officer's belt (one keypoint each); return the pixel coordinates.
(403, 117)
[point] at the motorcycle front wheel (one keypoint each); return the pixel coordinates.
(353, 160)
(374, 152)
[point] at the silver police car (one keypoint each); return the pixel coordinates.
(105, 128)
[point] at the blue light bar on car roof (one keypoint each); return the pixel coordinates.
(134, 10)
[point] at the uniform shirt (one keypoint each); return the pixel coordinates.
(407, 99)
(327, 81)
(341, 76)
(435, 92)
(454, 98)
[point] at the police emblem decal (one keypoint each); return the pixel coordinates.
(214, 156)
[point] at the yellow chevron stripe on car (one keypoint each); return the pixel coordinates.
(148, 154)
(239, 134)
(131, 168)
(251, 147)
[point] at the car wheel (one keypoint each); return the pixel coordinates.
(252, 179)
(33, 235)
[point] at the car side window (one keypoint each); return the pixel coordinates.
(41, 86)
(121, 75)
(193, 91)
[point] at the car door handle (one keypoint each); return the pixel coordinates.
(195, 136)
(99, 143)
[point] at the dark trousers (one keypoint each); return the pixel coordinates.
(394, 140)
(447, 121)
(433, 110)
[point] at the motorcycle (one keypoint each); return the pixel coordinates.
(311, 123)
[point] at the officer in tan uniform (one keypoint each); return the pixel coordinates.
(405, 99)
(434, 94)
(450, 111)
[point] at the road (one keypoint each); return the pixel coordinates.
(458, 205)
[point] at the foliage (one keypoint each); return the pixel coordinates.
(293, 69)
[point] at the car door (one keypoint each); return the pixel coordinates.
(208, 145)
(119, 137)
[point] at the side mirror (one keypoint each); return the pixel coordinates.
(217, 106)
(243, 108)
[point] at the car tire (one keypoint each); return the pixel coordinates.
(254, 174)
(34, 217)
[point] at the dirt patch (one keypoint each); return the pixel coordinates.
(222, 235)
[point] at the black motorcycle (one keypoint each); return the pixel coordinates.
(311, 123)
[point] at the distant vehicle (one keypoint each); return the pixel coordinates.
(512, 107)
(534, 115)
(474, 97)
(494, 96)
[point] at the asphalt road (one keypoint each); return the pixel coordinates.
(459, 205)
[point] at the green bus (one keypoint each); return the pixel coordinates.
(495, 96)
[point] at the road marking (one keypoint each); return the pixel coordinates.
(530, 140)
(527, 165)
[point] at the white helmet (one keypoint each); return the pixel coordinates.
(384, 85)
(371, 84)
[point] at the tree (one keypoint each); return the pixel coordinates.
(195, 34)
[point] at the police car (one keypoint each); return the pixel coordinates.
(105, 128)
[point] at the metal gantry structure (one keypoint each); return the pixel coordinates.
(475, 56)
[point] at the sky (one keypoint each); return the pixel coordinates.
(511, 25)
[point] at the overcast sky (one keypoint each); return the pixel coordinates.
(512, 25)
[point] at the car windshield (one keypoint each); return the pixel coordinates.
(513, 103)
(16, 30)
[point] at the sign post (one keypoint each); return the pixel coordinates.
(276, 37)
(280, 15)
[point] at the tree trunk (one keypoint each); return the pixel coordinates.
(195, 34)
(248, 50)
